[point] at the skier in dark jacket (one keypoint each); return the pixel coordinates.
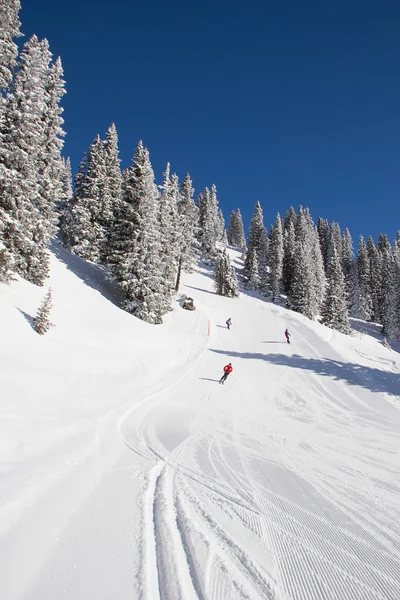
(229, 323)
(287, 335)
(227, 369)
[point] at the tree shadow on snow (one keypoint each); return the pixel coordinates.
(29, 318)
(351, 373)
(95, 276)
(199, 289)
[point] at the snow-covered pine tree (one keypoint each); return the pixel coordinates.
(275, 257)
(208, 223)
(257, 242)
(290, 218)
(299, 297)
(222, 237)
(10, 24)
(230, 233)
(334, 311)
(113, 181)
(360, 297)
(375, 284)
(289, 245)
(42, 322)
(135, 260)
(347, 261)
(390, 292)
(169, 234)
(6, 263)
(254, 280)
(226, 283)
(188, 229)
(239, 237)
(22, 135)
(52, 169)
(336, 235)
(323, 234)
(66, 187)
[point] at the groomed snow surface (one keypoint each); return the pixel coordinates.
(127, 472)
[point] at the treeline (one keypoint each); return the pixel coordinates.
(145, 234)
(315, 268)
(32, 171)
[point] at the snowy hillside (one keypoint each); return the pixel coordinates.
(128, 472)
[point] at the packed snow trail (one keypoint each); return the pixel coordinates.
(281, 484)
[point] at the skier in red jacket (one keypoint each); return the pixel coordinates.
(227, 369)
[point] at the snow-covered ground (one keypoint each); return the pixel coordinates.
(128, 472)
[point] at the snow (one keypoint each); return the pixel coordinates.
(127, 472)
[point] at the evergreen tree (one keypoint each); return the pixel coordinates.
(323, 234)
(188, 229)
(290, 219)
(10, 24)
(113, 183)
(336, 236)
(208, 222)
(299, 297)
(347, 261)
(231, 227)
(289, 245)
(390, 293)
(6, 263)
(360, 299)
(375, 283)
(135, 260)
(256, 243)
(42, 322)
(169, 234)
(222, 237)
(226, 283)
(26, 217)
(236, 235)
(335, 312)
(275, 255)
(254, 280)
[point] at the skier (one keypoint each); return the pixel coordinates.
(287, 335)
(227, 369)
(229, 323)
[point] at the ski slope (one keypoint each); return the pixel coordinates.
(128, 472)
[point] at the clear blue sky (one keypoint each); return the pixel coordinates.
(286, 102)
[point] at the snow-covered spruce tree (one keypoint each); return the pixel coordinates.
(226, 283)
(53, 170)
(256, 243)
(323, 234)
(360, 297)
(347, 260)
(390, 294)
(231, 227)
(189, 245)
(310, 262)
(299, 297)
(222, 237)
(235, 231)
(22, 135)
(6, 264)
(289, 245)
(334, 311)
(113, 181)
(254, 280)
(208, 222)
(66, 187)
(375, 284)
(136, 245)
(10, 24)
(335, 234)
(169, 234)
(290, 218)
(41, 322)
(275, 257)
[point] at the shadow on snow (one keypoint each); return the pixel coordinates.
(351, 373)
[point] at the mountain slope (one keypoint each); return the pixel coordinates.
(128, 472)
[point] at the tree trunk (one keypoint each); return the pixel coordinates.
(178, 276)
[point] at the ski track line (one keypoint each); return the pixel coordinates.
(312, 547)
(242, 569)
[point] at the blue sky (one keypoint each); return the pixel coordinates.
(289, 103)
